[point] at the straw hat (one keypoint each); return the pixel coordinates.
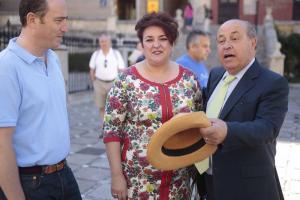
(178, 142)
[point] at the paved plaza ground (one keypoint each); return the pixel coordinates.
(89, 162)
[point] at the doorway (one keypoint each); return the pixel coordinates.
(228, 9)
(296, 9)
(171, 6)
(126, 10)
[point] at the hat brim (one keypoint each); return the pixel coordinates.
(175, 135)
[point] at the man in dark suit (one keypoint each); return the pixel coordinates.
(248, 122)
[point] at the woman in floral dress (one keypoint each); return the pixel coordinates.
(144, 97)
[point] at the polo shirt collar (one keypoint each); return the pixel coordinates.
(21, 52)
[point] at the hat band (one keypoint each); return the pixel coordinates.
(184, 151)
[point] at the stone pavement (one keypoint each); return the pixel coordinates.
(89, 162)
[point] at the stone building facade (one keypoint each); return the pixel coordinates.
(120, 16)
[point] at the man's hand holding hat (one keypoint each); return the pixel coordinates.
(216, 133)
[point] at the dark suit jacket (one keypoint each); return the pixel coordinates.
(244, 164)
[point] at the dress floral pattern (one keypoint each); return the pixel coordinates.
(135, 109)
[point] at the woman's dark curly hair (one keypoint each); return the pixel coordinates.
(160, 19)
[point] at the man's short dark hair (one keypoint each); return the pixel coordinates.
(38, 7)
(192, 37)
(162, 20)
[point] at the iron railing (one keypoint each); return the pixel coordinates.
(75, 44)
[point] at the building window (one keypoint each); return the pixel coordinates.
(103, 3)
(126, 10)
(228, 9)
(296, 8)
(249, 7)
(229, 1)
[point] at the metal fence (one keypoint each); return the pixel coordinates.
(6, 33)
(77, 81)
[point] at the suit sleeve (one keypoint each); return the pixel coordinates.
(268, 117)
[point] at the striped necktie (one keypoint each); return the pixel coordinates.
(213, 111)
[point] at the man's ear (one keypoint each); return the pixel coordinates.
(254, 42)
(31, 18)
(190, 46)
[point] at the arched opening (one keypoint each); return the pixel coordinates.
(126, 10)
(228, 9)
(296, 9)
(171, 6)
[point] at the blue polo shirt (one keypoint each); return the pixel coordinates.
(198, 68)
(33, 101)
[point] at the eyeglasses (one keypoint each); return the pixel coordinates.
(105, 63)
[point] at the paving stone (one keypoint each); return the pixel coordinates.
(295, 185)
(74, 167)
(92, 169)
(102, 162)
(102, 192)
(293, 197)
(91, 151)
(81, 159)
(93, 173)
(85, 185)
(295, 175)
(76, 147)
(93, 134)
(99, 144)
(84, 140)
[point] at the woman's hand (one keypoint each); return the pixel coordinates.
(118, 187)
(118, 181)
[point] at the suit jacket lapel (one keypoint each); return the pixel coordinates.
(246, 83)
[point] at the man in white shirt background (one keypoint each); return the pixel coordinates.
(105, 64)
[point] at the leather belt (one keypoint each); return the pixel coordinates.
(46, 169)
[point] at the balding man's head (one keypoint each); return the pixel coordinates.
(236, 41)
(104, 42)
(250, 29)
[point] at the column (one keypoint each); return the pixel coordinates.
(112, 18)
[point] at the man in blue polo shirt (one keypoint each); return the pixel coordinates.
(34, 129)
(198, 49)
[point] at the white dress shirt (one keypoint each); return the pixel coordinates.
(232, 85)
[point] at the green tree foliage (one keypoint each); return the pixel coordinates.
(79, 62)
(291, 49)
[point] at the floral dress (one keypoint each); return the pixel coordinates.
(135, 109)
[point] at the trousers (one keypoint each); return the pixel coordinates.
(60, 185)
